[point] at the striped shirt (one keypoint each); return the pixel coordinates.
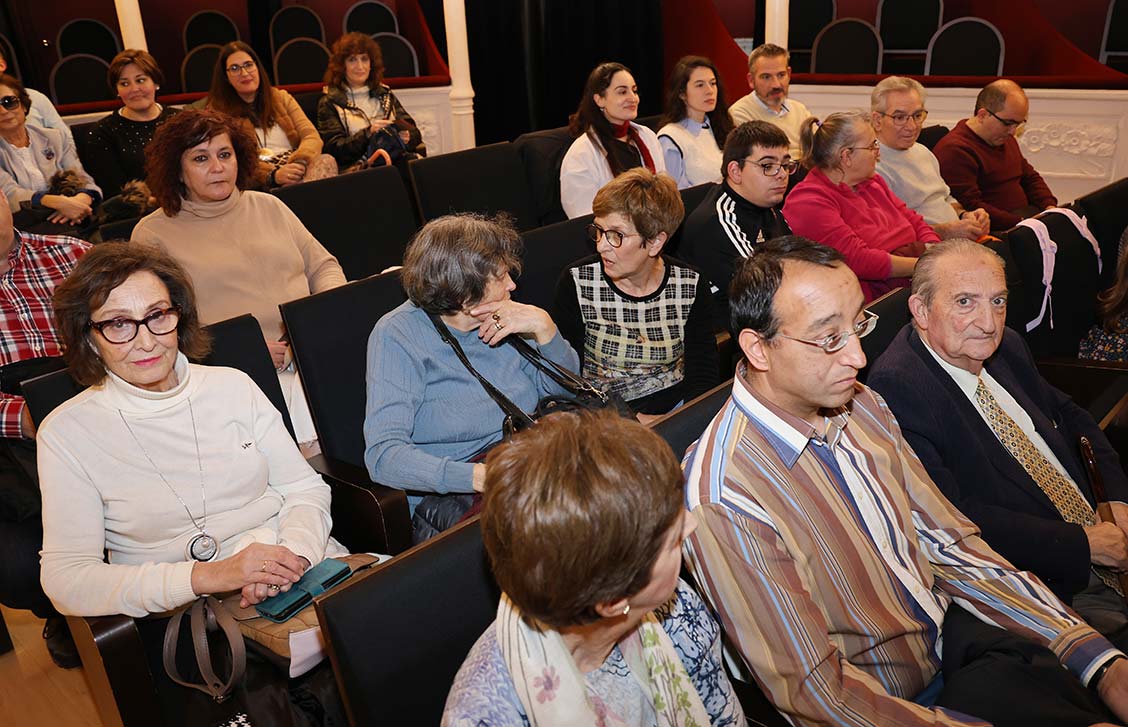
(27, 328)
(831, 559)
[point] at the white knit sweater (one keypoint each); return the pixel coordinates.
(101, 493)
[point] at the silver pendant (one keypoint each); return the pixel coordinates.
(202, 547)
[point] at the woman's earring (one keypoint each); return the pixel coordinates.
(626, 609)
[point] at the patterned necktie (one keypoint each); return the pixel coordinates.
(1066, 498)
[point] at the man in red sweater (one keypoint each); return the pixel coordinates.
(982, 163)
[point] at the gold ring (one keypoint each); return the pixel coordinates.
(496, 316)
(497, 325)
(272, 588)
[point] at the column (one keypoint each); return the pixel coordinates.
(129, 20)
(461, 92)
(775, 22)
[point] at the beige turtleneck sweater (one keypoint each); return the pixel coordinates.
(246, 254)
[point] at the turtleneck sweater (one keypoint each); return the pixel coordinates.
(101, 492)
(245, 254)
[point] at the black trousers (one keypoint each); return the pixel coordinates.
(1011, 681)
(21, 529)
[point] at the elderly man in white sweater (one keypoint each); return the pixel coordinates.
(909, 168)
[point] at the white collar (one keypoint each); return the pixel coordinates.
(784, 109)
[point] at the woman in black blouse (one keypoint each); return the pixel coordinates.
(116, 154)
(641, 320)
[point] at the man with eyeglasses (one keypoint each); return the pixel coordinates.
(742, 211)
(834, 562)
(981, 161)
(998, 440)
(769, 77)
(909, 168)
(31, 266)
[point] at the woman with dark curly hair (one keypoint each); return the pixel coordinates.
(609, 141)
(357, 110)
(245, 250)
(289, 148)
(696, 122)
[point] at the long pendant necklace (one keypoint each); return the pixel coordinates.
(202, 546)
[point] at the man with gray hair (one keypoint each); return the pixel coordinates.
(769, 77)
(998, 440)
(983, 164)
(909, 168)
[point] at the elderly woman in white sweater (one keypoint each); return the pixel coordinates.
(184, 474)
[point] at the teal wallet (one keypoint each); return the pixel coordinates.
(314, 582)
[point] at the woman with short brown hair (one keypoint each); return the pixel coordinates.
(583, 522)
(356, 106)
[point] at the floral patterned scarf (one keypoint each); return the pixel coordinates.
(552, 689)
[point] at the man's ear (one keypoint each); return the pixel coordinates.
(755, 349)
(919, 310)
(750, 86)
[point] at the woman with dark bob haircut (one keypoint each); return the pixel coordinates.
(609, 141)
(356, 107)
(245, 250)
(288, 146)
(696, 122)
(184, 474)
(428, 417)
(583, 521)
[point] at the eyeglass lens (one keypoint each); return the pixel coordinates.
(10, 103)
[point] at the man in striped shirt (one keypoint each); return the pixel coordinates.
(834, 562)
(743, 211)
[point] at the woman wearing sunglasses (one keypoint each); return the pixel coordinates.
(845, 204)
(642, 321)
(289, 147)
(30, 159)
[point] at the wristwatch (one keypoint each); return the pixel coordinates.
(1095, 681)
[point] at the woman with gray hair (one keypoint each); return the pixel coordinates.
(428, 416)
(844, 204)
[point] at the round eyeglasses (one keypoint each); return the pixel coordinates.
(771, 169)
(900, 118)
(837, 341)
(124, 330)
(245, 67)
(614, 238)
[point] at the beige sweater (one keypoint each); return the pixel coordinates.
(246, 254)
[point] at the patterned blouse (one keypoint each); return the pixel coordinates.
(483, 694)
(1100, 345)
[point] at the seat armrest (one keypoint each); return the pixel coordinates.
(367, 517)
(1101, 387)
(116, 670)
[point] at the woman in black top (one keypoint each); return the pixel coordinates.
(641, 320)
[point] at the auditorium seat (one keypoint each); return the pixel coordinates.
(847, 45)
(294, 21)
(966, 47)
(363, 245)
(805, 19)
(691, 198)
(548, 251)
(892, 310)
(370, 17)
(1106, 212)
(684, 426)
(486, 179)
(300, 60)
(541, 153)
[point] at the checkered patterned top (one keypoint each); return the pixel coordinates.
(634, 346)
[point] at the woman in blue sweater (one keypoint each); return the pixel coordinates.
(427, 416)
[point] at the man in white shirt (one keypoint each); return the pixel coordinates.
(42, 112)
(769, 77)
(998, 440)
(909, 168)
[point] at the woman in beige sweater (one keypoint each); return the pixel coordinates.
(289, 147)
(245, 251)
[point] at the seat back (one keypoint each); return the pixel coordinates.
(548, 251)
(398, 634)
(329, 337)
(486, 179)
(541, 153)
(805, 19)
(1106, 212)
(966, 47)
(908, 26)
(236, 343)
(361, 249)
(692, 197)
(89, 37)
(300, 60)
(197, 67)
(400, 58)
(9, 52)
(684, 426)
(848, 45)
(294, 21)
(208, 27)
(892, 310)
(79, 78)
(118, 230)
(1074, 288)
(370, 17)
(1114, 42)
(930, 136)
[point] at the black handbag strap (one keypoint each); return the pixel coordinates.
(508, 407)
(564, 378)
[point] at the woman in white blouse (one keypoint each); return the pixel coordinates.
(696, 123)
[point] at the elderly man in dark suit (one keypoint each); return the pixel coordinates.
(998, 440)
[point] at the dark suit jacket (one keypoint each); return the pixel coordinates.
(975, 471)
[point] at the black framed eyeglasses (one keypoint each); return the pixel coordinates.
(10, 102)
(1009, 123)
(837, 341)
(246, 67)
(771, 169)
(124, 330)
(900, 118)
(614, 238)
